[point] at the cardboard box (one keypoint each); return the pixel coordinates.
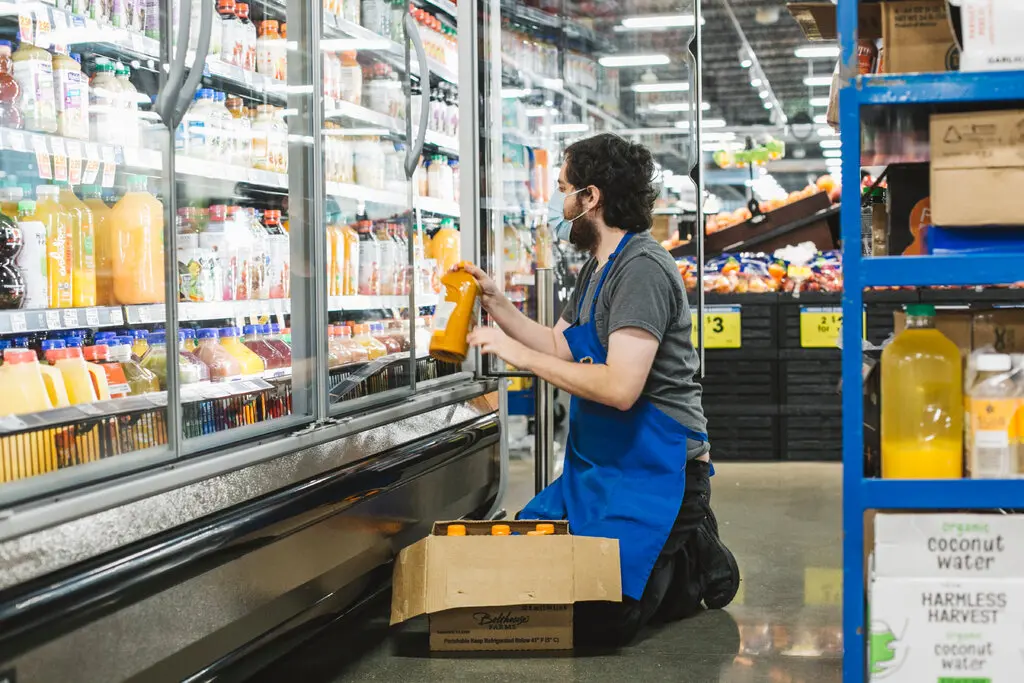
(976, 159)
(949, 546)
(486, 592)
(991, 35)
(1001, 329)
(955, 631)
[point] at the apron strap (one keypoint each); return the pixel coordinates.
(600, 283)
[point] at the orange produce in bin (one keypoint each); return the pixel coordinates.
(454, 317)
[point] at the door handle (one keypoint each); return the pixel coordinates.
(164, 105)
(412, 155)
(188, 88)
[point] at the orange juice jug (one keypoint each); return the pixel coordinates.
(116, 382)
(445, 245)
(51, 214)
(78, 378)
(22, 390)
(374, 348)
(83, 257)
(455, 317)
(92, 197)
(251, 364)
(137, 260)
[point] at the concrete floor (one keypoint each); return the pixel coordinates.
(782, 521)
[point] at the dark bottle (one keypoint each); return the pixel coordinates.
(12, 280)
(10, 91)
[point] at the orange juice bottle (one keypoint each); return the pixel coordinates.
(252, 365)
(22, 388)
(51, 214)
(335, 257)
(85, 382)
(137, 261)
(92, 197)
(374, 348)
(83, 257)
(445, 245)
(350, 269)
(454, 317)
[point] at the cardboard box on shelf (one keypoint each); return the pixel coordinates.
(975, 159)
(1001, 329)
(485, 592)
(949, 546)
(945, 630)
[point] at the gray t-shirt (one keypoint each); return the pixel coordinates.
(644, 290)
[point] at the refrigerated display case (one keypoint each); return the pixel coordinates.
(266, 192)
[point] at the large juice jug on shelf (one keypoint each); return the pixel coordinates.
(92, 197)
(223, 366)
(33, 69)
(454, 317)
(83, 256)
(255, 342)
(137, 261)
(22, 388)
(337, 354)
(58, 224)
(356, 351)
(117, 383)
(140, 380)
(252, 365)
(922, 402)
(80, 377)
(374, 348)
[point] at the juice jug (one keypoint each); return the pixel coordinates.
(445, 245)
(116, 382)
(140, 380)
(137, 259)
(71, 97)
(192, 370)
(10, 91)
(337, 355)
(455, 317)
(991, 409)
(251, 364)
(140, 343)
(357, 351)
(374, 349)
(57, 221)
(389, 342)
(33, 70)
(92, 197)
(224, 367)
(77, 376)
(83, 257)
(191, 345)
(255, 342)
(273, 336)
(922, 402)
(21, 381)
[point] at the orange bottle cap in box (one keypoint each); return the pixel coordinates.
(456, 529)
(546, 528)
(501, 530)
(537, 533)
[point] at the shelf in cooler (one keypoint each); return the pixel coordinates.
(365, 303)
(990, 86)
(446, 6)
(446, 144)
(951, 494)
(439, 206)
(15, 322)
(195, 311)
(204, 168)
(355, 112)
(366, 194)
(71, 29)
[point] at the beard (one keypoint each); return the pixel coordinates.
(584, 235)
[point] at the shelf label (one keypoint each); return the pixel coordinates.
(26, 28)
(18, 322)
(60, 159)
(70, 317)
(722, 327)
(820, 326)
(109, 166)
(144, 316)
(92, 317)
(75, 162)
(53, 320)
(16, 140)
(92, 165)
(42, 157)
(116, 316)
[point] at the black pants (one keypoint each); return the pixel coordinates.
(673, 590)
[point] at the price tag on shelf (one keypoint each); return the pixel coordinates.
(70, 317)
(43, 30)
(820, 326)
(144, 316)
(18, 323)
(116, 316)
(26, 28)
(15, 140)
(60, 23)
(109, 166)
(92, 317)
(75, 162)
(722, 327)
(92, 164)
(60, 158)
(42, 157)
(53, 320)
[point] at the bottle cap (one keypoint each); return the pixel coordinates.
(17, 356)
(26, 206)
(921, 310)
(456, 530)
(546, 528)
(229, 332)
(188, 332)
(98, 352)
(501, 530)
(157, 337)
(74, 343)
(51, 344)
(993, 362)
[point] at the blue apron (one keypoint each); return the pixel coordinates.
(624, 472)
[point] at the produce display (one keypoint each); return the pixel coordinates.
(760, 273)
(728, 219)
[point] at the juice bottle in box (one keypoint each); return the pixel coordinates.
(255, 342)
(83, 257)
(224, 367)
(252, 365)
(137, 261)
(58, 245)
(374, 348)
(117, 383)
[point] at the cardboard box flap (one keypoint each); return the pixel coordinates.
(597, 575)
(978, 140)
(818, 19)
(409, 581)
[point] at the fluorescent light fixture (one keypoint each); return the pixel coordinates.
(768, 105)
(706, 123)
(655, 59)
(350, 44)
(816, 52)
(812, 81)
(818, 101)
(763, 94)
(569, 128)
(825, 132)
(658, 21)
(676, 106)
(746, 63)
(821, 119)
(756, 82)
(831, 144)
(514, 93)
(832, 153)
(663, 86)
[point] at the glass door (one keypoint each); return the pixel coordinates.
(390, 167)
(83, 205)
(242, 329)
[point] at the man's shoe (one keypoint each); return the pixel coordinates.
(720, 574)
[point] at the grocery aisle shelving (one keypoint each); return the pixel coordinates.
(859, 493)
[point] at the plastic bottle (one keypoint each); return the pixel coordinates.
(272, 335)
(222, 124)
(200, 139)
(374, 348)
(252, 365)
(105, 120)
(991, 406)
(241, 133)
(922, 402)
(350, 78)
(21, 378)
(378, 332)
(137, 263)
(454, 317)
(224, 367)
(71, 96)
(12, 281)
(58, 245)
(78, 380)
(117, 383)
(248, 31)
(92, 197)
(387, 250)
(445, 245)
(140, 380)
(269, 52)
(278, 256)
(258, 282)
(369, 259)
(265, 145)
(140, 342)
(230, 36)
(83, 255)
(357, 352)
(336, 354)
(33, 70)
(32, 261)
(129, 134)
(10, 91)
(255, 342)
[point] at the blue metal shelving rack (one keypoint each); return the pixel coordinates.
(860, 494)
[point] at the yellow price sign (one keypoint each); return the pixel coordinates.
(820, 326)
(722, 327)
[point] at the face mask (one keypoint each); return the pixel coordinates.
(560, 225)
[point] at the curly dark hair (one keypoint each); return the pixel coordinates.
(623, 171)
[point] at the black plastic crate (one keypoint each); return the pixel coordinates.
(738, 378)
(880, 320)
(743, 437)
(811, 433)
(810, 377)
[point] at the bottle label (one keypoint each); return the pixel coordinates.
(442, 314)
(72, 104)
(992, 430)
(32, 262)
(35, 77)
(369, 267)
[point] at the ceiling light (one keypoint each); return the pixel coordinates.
(756, 83)
(677, 106)
(818, 101)
(514, 93)
(763, 94)
(768, 105)
(706, 123)
(664, 86)
(746, 63)
(612, 61)
(658, 21)
(832, 153)
(825, 132)
(831, 144)
(812, 81)
(569, 128)
(822, 51)
(821, 119)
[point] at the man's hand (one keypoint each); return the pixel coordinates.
(490, 296)
(495, 342)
